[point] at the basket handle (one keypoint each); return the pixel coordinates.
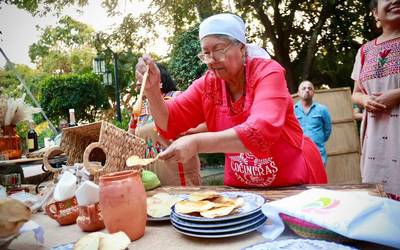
(53, 151)
(94, 169)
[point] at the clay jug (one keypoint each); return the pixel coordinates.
(123, 203)
(89, 218)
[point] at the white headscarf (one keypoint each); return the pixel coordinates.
(233, 26)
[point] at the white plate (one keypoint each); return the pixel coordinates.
(165, 218)
(218, 230)
(222, 235)
(252, 204)
(214, 224)
(295, 244)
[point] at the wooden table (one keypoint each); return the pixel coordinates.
(161, 235)
(21, 160)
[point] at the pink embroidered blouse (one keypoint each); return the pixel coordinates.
(263, 119)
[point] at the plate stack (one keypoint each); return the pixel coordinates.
(247, 218)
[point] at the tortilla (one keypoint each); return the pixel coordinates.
(159, 205)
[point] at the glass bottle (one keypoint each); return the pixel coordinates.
(32, 138)
(72, 121)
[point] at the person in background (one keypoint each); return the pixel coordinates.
(169, 173)
(61, 125)
(245, 103)
(376, 73)
(314, 117)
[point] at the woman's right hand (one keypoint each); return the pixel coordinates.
(371, 105)
(153, 78)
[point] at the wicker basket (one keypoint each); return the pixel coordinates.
(100, 142)
(309, 230)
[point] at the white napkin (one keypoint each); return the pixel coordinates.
(274, 226)
(65, 187)
(356, 215)
(87, 193)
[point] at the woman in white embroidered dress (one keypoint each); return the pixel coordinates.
(377, 88)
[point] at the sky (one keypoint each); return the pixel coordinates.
(19, 27)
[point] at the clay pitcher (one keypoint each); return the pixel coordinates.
(123, 203)
(89, 218)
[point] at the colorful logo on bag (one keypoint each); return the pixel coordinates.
(322, 205)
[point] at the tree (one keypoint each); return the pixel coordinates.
(304, 36)
(83, 92)
(65, 48)
(10, 86)
(185, 67)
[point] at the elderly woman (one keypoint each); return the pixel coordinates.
(244, 101)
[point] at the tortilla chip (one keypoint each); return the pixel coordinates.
(218, 212)
(134, 160)
(223, 209)
(186, 206)
(199, 196)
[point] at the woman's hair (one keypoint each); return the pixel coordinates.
(167, 84)
(373, 4)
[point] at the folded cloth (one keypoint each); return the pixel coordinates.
(87, 193)
(356, 215)
(65, 187)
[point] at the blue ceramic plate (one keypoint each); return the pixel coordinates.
(252, 204)
(197, 224)
(295, 244)
(227, 229)
(222, 235)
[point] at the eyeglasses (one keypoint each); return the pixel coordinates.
(217, 55)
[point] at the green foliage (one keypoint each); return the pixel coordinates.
(212, 159)
(184, 64)
(83, 92)
(126, 116)
(43, 7)
(10, 86)
(64, 48)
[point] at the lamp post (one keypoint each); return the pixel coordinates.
(99, 67)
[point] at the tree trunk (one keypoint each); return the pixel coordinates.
(279, 39)
(312, 45)
(205, 9)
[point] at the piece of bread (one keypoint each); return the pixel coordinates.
(89, 242)
(115, 241)
(13, 214)
(103, 241)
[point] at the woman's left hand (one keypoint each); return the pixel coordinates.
(181, 150)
